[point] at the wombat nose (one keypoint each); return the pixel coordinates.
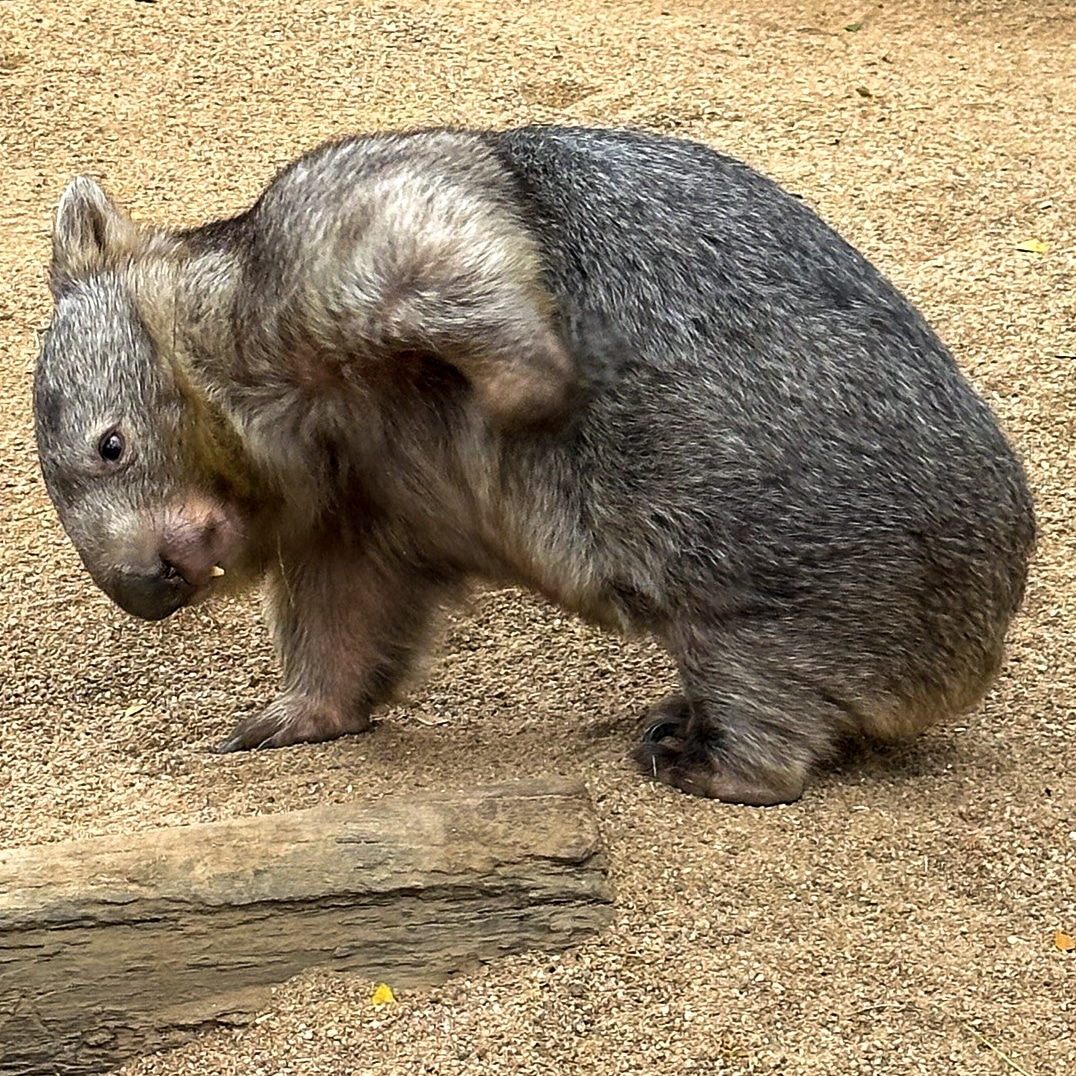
(151, 595)
(194, 538)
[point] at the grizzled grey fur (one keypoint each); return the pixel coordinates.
(624, 371)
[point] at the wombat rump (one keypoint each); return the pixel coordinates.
(624, 371)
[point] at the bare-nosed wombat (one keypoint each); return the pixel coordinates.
(624, 371)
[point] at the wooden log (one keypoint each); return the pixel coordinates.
(120, 945)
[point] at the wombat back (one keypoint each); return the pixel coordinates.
(797, 483)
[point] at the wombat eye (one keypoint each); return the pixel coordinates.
(111, 446)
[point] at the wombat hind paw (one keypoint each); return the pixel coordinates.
(288, 721)
(701, 774)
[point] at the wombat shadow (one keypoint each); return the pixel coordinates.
(934, 754)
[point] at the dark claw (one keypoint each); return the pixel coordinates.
(289, 721)
(669, 719)
(243, 743)
(661, 729)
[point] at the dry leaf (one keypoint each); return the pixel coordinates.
(422, 719)
(382, 995)
(1032, 246)
(1065, 942)
(134, 708)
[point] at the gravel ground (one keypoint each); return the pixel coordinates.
(901, 917)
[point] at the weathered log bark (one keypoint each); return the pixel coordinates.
(115, 946)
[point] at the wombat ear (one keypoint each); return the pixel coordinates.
(89, 230)
(522, 375)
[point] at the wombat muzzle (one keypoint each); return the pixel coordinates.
(153, 595)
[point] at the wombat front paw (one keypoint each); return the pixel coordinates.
(290, 720)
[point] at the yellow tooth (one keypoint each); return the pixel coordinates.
(216, 571)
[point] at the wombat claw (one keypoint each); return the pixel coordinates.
(240, 742)
(657, 731)
(662, 728)
(291, 722)
(236, 743)
(667, 720)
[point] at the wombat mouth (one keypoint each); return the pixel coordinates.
(170, 572)
(198, 579)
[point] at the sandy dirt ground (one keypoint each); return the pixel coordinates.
(901, 917)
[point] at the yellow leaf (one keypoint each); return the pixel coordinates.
(134, 708)
(1065, 942)
(1032, 246)
(382, 995)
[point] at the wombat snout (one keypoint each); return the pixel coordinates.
(171, 562)
(153, 594)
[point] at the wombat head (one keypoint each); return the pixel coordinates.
(121, 440)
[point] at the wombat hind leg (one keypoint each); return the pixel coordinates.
(291, 719)
(747, 728)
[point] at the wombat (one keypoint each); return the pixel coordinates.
(625, 371)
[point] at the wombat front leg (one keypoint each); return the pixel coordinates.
(348, 620)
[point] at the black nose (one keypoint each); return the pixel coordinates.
(150, 595)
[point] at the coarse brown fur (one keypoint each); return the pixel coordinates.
(623, 371)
